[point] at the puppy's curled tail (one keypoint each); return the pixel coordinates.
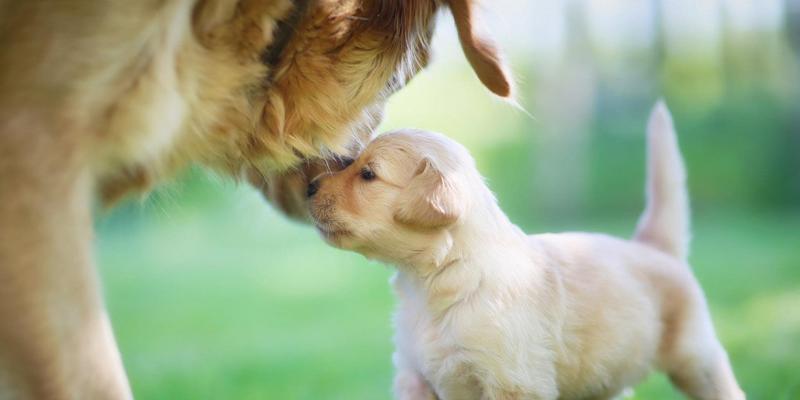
(665, 221)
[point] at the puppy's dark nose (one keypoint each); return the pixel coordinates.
(313, 187)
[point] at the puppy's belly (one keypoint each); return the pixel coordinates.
(612, 325)
(610, 338)
(605, 369)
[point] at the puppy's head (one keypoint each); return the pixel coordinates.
(398, 200)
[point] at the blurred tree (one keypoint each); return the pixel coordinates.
(792, 16)
(564, 101)
(793, 23)
(659, 47)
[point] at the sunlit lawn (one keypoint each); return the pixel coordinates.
(230, 300)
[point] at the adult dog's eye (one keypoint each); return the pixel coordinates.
(367, 174)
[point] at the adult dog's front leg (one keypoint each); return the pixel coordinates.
(55, 337)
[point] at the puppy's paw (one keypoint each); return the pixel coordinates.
(409, 385)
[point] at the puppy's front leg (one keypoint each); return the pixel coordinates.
(504, 394)
(410, 385)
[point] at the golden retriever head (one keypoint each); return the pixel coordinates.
(275, 85)
(330, 84)
(345, 59)
(401, 198)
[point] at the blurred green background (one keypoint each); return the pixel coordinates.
(215, 295)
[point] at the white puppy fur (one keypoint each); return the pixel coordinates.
(488, 312)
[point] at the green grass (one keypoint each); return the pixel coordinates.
(213, 295)
(240, 303)
(230, 300)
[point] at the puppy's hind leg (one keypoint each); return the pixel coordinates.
(707, 379)
(698, 365)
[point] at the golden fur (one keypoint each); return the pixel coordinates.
(488, 312)
(99, 99)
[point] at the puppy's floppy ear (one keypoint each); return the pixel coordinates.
(480, 50)
(431, 200)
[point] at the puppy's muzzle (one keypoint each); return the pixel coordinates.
(339, 164)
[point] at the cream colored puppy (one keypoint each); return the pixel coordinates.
(488, 312)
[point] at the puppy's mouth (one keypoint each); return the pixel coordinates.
(330, 230)
(332, 233)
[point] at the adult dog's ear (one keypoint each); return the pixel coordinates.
(431, 200)
(480, 50)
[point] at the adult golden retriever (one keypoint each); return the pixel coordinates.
(99, 98)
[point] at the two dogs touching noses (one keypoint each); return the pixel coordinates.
(486, 311)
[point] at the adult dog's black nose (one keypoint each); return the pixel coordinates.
(346, 161)
(313, 187)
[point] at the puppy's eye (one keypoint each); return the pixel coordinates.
(346, 162)
(367, 174)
